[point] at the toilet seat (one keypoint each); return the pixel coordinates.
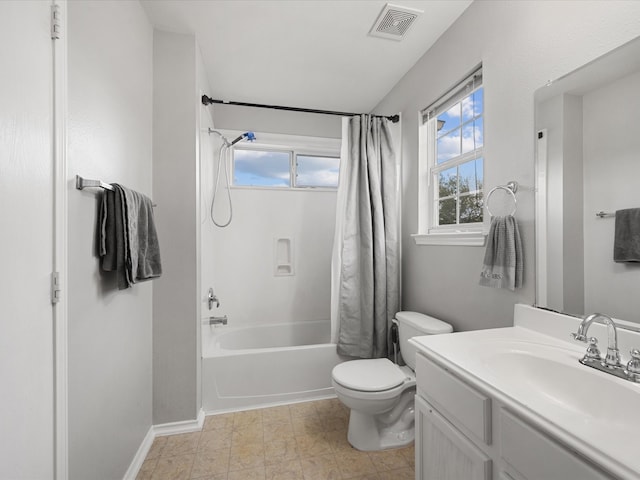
(371, 375)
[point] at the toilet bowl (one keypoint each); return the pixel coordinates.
(380, 393)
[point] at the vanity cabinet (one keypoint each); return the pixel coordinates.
(462, 432)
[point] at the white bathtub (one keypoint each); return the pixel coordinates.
(255, 366)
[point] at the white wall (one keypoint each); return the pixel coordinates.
(233, 117)
(244, 257)
(521, 44)
(110, 118)
(176, 299)
(612, 168)
(208, 157)
(203, 234)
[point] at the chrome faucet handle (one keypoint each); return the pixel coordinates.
(612, 360)
(211, 297)
(633, 366)
(592, 350)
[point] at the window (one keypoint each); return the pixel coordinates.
(452, 166)
(317, 171)
(263, 168)
(300, 164)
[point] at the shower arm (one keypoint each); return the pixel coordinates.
(224, 139)
(250, 136)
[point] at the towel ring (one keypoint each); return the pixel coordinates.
(511, 188)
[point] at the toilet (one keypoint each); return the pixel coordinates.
(380, 393)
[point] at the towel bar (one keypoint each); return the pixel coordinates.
(82, 183)
(602, 214)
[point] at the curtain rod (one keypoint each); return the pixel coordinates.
(208, 101)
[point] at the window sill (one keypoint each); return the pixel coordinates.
(463, 239)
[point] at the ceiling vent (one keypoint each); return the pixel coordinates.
(394, 22)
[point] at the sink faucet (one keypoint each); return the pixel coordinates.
(613, 354)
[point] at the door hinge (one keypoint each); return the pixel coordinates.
(56, 26)
(56, 289)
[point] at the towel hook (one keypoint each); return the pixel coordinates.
(511, 188)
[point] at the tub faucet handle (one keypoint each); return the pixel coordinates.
(212, 298)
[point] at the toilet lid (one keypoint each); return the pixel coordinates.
(368, 375)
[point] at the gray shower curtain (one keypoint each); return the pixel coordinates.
(368, 293)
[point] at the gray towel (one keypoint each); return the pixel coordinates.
(123, 252)
(626, 244)
(113, 242)
(503, 263)
(143, 260)
(148, 264)
(128, 239)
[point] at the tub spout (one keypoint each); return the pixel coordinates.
(217, 320)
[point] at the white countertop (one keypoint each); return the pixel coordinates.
(538, 376)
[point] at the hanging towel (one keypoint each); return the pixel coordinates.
(113, 242)
(147, 263)
(626, 244)
(128, 239)
(503, 263)
(107, 241)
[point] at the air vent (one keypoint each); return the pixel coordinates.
(394, 22)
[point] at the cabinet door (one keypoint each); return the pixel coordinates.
(442, 452)
(536, 457)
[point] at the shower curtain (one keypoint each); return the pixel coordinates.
(365, 264)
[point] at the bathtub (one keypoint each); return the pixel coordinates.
(257, 366)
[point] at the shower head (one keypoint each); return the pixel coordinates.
(250, 136)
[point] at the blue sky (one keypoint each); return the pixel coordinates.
(261, 168)
(268, 168)
(460, 128)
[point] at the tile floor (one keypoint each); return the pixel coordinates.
(303, 441)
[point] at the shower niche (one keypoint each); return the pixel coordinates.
(283, 256)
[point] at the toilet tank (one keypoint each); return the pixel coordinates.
(413, 324)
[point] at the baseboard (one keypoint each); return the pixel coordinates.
(163, 429)
(141, 454)
(174, 428)
(244, 408)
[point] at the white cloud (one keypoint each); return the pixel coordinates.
(319, 178)
(449, 146)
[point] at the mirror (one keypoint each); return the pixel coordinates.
(587, 167)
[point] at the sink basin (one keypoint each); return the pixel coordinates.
(555, 378)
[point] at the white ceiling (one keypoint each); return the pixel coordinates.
(302, 53)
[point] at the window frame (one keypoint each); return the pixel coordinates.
(429, 231)
(293, 145)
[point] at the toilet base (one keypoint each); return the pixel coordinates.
(367, 434)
